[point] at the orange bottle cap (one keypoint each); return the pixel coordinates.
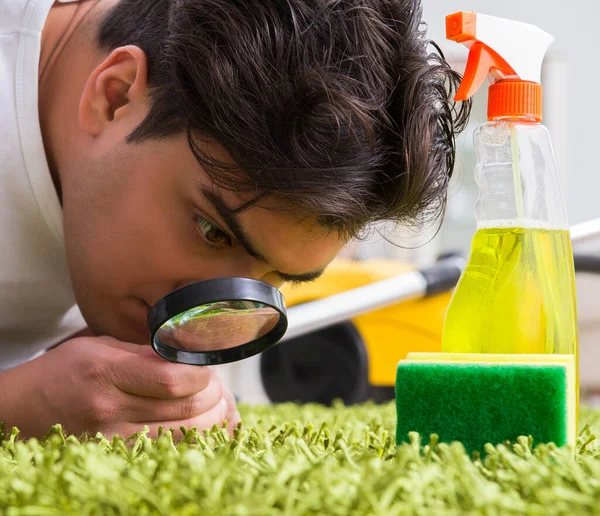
(515, 99)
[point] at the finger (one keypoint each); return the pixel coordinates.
(215, 416)
(137, 409)
(144, 374)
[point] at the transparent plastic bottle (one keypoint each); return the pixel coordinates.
(517, 293)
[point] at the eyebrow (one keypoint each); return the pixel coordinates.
(230, 218)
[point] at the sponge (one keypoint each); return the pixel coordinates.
(486, 398)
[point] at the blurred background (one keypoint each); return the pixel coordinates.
(571, 79)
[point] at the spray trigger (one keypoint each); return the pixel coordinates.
(500, 49)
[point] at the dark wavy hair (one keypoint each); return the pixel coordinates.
(341, 108)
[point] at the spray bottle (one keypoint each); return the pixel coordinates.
(517, 292)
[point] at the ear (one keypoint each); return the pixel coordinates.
(116, 90)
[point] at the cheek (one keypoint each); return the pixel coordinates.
(150, 235)
(144, 241)
(121, 227)
(129, 228)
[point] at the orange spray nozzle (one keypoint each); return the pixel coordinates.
(510, 53)
(481, 61)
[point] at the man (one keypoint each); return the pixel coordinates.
(147, 144)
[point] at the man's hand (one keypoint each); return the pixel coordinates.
(91, 384)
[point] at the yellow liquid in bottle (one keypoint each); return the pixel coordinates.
(517, 295)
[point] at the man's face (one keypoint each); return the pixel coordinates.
(140, 222)
(143, 219)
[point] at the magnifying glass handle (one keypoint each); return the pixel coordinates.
(308, 317)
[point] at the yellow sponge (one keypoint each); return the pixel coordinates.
(481, 398)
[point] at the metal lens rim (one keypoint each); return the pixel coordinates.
(214, 291)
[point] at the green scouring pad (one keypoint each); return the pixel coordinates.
(482, 398)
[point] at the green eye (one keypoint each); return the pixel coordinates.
(212, 234)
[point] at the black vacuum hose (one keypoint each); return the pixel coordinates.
(586, 263)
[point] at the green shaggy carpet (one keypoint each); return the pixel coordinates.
(305, 460)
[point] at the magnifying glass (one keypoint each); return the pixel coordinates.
(217, 321)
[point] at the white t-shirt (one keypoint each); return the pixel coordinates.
(37, 306)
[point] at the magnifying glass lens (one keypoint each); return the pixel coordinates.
(217, 321)
(218, 325)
